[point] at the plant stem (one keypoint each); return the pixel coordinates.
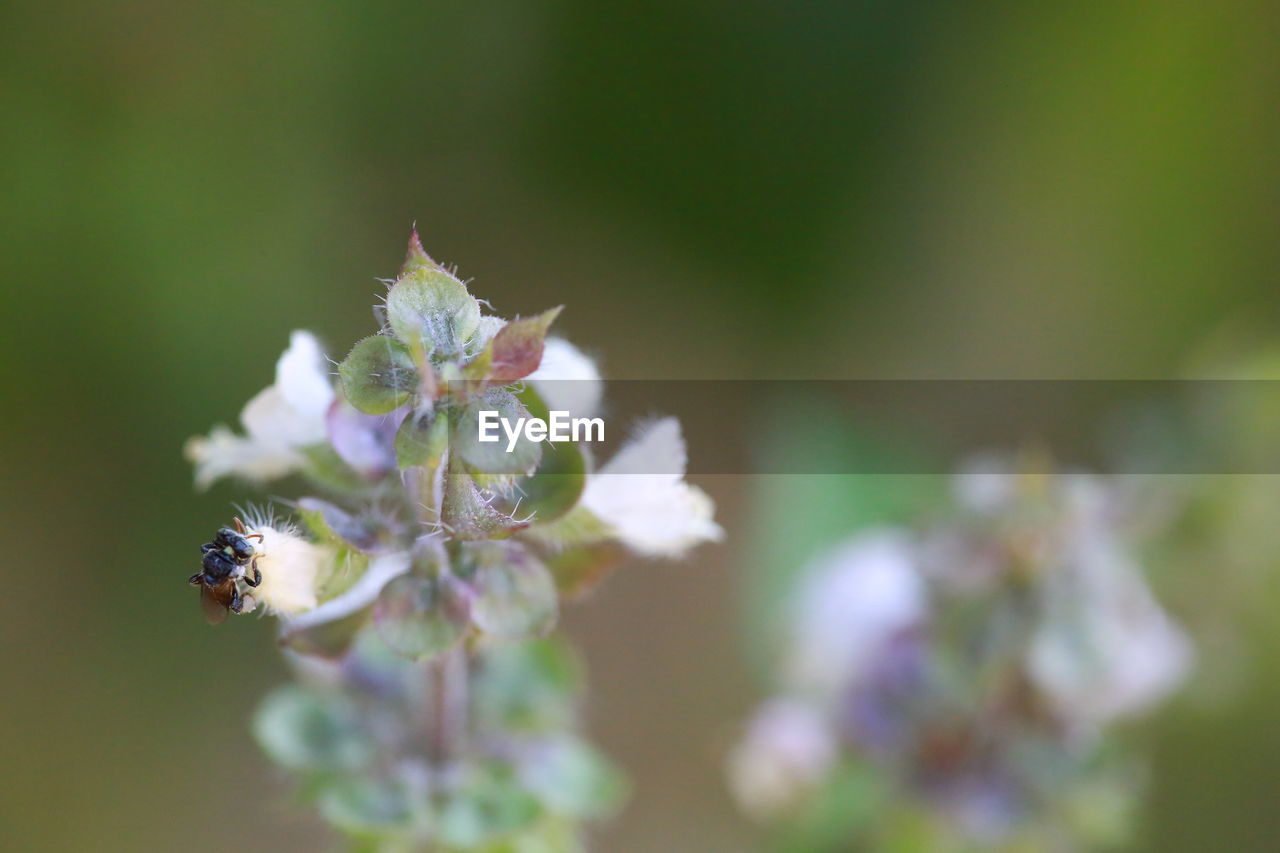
(448, 673)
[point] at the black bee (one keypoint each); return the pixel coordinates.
(223, 563)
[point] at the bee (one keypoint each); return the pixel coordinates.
(223, 564)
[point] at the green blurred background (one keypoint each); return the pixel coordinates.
(716, 190)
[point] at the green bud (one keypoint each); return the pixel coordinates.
(422, 438)
(416, 257)
(431, 309)
(378, 376)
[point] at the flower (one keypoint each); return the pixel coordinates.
(858, 598)
(290, 567)
(279, 421)
(787, 751)
(1105, 647)
(567, 379)
(641, 495)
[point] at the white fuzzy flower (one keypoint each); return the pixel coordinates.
(290, 566)
(567, 380)
(857, 597)
(1105, 649)
(786, 753)
(278, 421)
(643, 498)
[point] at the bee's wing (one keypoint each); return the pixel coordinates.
(215, 601)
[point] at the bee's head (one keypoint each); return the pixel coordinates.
(236, 548)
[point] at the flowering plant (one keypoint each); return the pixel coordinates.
(950, 685)
(418, 585)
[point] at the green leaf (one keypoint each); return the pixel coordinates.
(492, 457)
(422, 438)
(555, 487)
(578, 570)
(557, 484)
(515, 595)
(334, 524)
(572, 779)
(378, 375)
(579, 526)
(529, 687)
(429, 308)
(517, 347)
(305, 730)
(421, 617)
(365, 807)
(489, 805)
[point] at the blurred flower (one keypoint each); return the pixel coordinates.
(1104, 648)
(641, 495)
(854, 601)
(973, 662)
(278, 422)
(787, 751)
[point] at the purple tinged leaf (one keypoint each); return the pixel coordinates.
(517, 347)
(422, 617)
(469, 514)
(515, 595)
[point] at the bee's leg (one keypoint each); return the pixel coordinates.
(194, 580)
(237, 603)
(257, 575)
(240, 528)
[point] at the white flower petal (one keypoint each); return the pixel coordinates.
(223, 453)
(656, 514)
(302, 375)
(290, 566)
(567, 380)
(279, 421)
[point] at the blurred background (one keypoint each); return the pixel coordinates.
(715, 190)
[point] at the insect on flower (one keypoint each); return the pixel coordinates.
(222, 565)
